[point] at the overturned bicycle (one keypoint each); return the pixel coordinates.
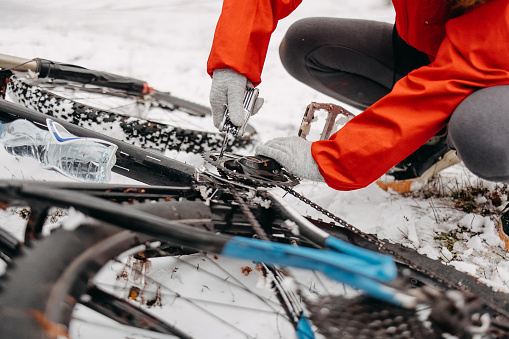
(192, 221)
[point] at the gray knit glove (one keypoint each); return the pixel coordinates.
(228, 88)
(294, 154)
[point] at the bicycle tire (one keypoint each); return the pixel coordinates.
(47, 311)
(87, 79)
(137, 131)
(155, 98)
(24, 305)
(78, 253)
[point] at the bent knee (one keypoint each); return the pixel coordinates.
(297, 42)
(478, 131)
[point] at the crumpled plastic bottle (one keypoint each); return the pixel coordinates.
(85, 159)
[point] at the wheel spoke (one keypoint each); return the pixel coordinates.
(174, 293)
(125, 313)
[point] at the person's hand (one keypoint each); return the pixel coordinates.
(294, 154)
(228, 88)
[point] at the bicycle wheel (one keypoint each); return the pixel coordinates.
(66, 280)
(225, 297)
(154, 120)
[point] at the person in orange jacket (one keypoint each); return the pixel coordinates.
(444, 67)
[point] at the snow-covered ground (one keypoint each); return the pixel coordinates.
(166, 42)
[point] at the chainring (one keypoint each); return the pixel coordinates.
(256, 171)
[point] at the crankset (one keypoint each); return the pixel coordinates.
(253, 170)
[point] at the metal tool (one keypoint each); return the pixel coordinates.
(228, 127)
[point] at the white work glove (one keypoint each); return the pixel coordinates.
(228, 88)
(294, 154)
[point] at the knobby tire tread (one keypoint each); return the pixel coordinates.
(40, 279)
(138, 132)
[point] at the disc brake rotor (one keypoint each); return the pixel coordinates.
(254, 170)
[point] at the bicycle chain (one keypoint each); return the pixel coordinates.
(369, 237)
(249, 215)
(381, 246)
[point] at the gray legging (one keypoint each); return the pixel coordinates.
(477, 130)
(353, 61)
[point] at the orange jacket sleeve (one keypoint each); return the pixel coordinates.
(243, 33)
(473, 55)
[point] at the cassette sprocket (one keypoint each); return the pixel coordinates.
(256, 171)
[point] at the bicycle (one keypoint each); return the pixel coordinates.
(115, 105)
(200, 213)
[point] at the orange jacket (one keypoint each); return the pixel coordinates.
(470, 53)
(243, 32)
(421, 23)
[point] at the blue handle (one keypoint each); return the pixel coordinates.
(359, 268)
(387, 267)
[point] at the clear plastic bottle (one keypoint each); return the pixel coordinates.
(86, 159)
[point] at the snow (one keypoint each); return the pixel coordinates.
(473, 222)
(166, 42)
